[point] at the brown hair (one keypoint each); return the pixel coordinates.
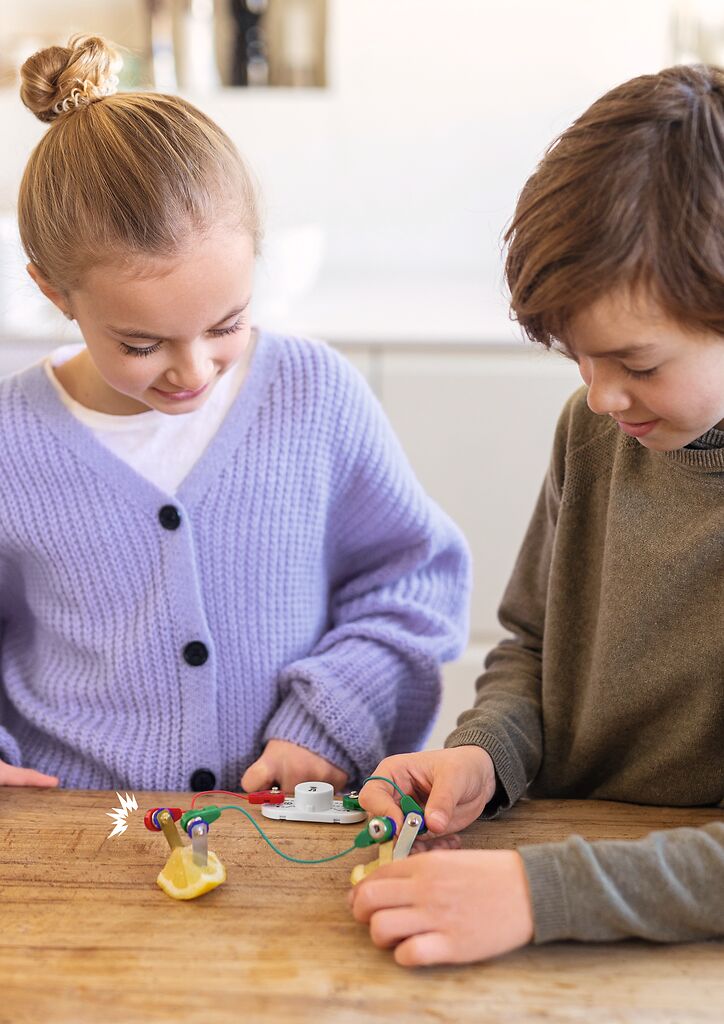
(120, 176)
(632, 194)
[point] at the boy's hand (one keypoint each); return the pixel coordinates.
(449, 907)
(12, 776)
(288, 764)
(454, 784)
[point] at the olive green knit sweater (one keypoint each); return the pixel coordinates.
(612, 686)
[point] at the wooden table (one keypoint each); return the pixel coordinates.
(87, 936)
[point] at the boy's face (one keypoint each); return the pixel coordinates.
(160, 334)
(663, 384)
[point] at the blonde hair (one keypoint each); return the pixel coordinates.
(120, 175)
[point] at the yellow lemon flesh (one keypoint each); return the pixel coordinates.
(183, 880)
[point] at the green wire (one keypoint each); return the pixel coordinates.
(381, 778)
(300, 860)
(296, 860)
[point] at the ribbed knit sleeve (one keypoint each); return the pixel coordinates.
(667, 887)
(398, 603)
(506, 717)
(9, 750)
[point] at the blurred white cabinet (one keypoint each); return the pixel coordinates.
(477, 428)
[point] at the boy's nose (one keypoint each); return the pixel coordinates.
(607, 393)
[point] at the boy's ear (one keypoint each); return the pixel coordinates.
(56, 297)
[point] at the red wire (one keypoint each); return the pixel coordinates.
(219, 792)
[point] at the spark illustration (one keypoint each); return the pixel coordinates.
(119, 814)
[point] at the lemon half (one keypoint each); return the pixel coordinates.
(182, 879)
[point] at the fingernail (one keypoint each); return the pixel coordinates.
(437, 820)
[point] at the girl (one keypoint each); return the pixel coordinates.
(611, 685)
(215, 561)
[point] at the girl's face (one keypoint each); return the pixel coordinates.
(662, 383)
(160, 333)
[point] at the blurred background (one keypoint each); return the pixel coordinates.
(391, 138)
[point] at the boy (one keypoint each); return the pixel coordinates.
(612, 685)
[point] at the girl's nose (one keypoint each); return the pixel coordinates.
(191, 370)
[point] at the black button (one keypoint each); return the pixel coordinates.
(196, 653)
(169, 518)
(202, 779)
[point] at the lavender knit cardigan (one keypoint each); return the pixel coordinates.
(299, 585)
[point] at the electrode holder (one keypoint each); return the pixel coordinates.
(313, 801)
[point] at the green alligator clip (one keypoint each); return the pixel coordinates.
(410, 806)
(207, 814)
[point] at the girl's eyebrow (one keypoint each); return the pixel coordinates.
(150, 336)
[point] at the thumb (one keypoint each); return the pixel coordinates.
(12, 776)
(259, 775)
(442, 801)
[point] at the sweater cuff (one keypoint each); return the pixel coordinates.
(551, 917)
(508, 788)
(292, 722)
(9, 749)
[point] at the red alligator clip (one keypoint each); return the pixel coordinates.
(150, 821)
(266, 796)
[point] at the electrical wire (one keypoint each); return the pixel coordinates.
(286, 856)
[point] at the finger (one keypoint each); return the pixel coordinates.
(377, 798)
(425, 948)
(13, 776)
(390, 926)
(442, 801)
(288, 778)
(374, 895)
(338, 778)
(428, 842)
(259, 775)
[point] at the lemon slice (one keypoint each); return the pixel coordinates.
(182, 879)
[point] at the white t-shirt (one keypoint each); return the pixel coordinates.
(162, 448)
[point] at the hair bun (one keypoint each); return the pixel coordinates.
(60, 79)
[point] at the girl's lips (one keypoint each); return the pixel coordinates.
(637, 429)
(180, 396)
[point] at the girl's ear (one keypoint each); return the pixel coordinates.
(56, 297)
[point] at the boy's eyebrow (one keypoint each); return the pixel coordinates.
(630, 351)
(620, 353)
(150, 336)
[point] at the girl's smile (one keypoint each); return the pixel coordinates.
(181, 396)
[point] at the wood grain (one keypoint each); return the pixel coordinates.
(87, 936)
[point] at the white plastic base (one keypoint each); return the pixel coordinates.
(313, 801)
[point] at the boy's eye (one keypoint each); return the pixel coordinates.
(639, 374)
(132, 350)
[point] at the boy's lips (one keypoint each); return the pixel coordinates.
(637, 429)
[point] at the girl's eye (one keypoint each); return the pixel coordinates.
(639, 374)
(236, 326)
(131, 350)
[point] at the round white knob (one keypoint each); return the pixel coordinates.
(313, 796)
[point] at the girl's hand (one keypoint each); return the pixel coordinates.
(12, 776)
(450, 907)
(454, 785)
(288, 764)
